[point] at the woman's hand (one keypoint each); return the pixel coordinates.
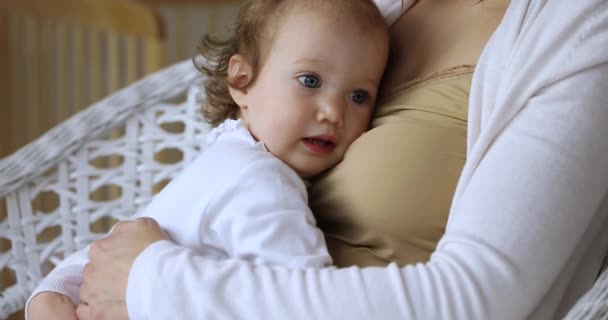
(104, 288)
(51, 306)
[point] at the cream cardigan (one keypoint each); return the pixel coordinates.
(528, 223)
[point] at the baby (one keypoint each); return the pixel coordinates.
(288, 93)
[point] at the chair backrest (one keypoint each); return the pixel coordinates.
(187, 20)
(63, 55)
(159, 114)
(48, 188)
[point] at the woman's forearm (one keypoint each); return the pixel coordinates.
(529, 197)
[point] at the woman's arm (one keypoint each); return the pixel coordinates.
(534, 186)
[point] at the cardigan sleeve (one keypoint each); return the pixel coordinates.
(535, 184)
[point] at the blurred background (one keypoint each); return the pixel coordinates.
(59, 56)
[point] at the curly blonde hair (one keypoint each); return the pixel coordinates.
(255, 28)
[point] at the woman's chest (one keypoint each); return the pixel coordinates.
(437, 35)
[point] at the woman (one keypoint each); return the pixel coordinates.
(531, 199)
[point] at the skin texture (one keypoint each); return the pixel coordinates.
(108, 263)
(433, 36)
(282, 109)
(430, 37)
(311, 85)
(112, 258)
(52, 306)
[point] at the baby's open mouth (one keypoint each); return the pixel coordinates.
(319, 145)
(320, 142)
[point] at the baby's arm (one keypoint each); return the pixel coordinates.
(57, 295)
(51, 306)
(263, 216)
(59, 290)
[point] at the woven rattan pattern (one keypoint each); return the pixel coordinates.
(594, 304)
(70, 164)
(61, 184)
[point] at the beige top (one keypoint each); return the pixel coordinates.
(388, 201)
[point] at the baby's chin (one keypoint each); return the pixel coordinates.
(310, 174)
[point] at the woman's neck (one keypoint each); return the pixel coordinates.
(437, 35)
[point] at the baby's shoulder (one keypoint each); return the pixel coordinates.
(234, 150)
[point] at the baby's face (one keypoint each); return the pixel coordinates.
(316, 89)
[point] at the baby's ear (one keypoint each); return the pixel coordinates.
(240, 75)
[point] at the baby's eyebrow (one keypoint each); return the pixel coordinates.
(372, 83)
(309, 61)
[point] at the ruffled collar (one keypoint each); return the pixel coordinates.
(233, 128)
(236, 128)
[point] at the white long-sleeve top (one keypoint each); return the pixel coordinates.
(234, 200)
(527, 228)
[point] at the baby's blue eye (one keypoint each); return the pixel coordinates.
(310, 81)
(359, 96)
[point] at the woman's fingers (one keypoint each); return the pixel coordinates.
(108, 311)
(83, 312)
(106, 275)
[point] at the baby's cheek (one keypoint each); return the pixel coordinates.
(355, 135)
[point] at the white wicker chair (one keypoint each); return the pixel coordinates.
(61, 165)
